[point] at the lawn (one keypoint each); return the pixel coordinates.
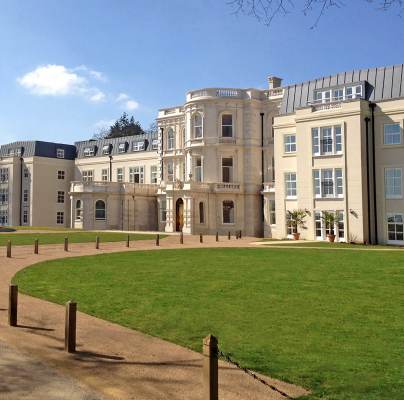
(19, 239)
(331, 321)
(338, 245)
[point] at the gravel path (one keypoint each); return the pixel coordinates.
(24, 378)
(117, 362)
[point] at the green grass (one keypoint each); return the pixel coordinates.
(39, 228)
(339, 245)
(331, 321)
(20, 239)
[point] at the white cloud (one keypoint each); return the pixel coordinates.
(99, 76)
(122, 97)
(131, 105)
(57, 80)
(126, 102)
(97, 96)
(53, 80)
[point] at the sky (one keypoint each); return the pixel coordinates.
(69, 68)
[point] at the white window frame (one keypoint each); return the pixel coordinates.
(272, 211)
(89, 151)
(25, 217)
(105, 174)
(155, 144)
(397, 216)
(391, 194)
(60, 153)
(4, 217)
(198, 169)
(197, 128)
(154, 174)
(106, 149)
(4, 175)
(137, 170)
(170, 174)
(138, 146)
(25, 196)
(339, 227)
(337, 180)
(290, 191)
(317, 140)
(120, 174)
(100, 209)
(3, 196)
(163, 210)
(87, 175)
(289, 143)
(392, 135)
(79, 210)
(171, 139)
(122, 148)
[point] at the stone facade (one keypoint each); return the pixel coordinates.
(232, 159)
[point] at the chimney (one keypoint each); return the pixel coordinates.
(274, 82)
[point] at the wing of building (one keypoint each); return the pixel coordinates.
(232, 159)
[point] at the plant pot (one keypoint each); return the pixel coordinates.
(331, 238)
(296, 236)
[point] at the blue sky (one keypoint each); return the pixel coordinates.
(68, 67)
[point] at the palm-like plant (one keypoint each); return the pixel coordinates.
(330, 219)
(297, 219)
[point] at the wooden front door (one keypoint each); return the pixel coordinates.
(179, 215)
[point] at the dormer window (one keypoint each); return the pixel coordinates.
(89, 151)
(122, 148)
(106, 149)
(60, 153)
(138, 146)
(339, 94)
(155, 144)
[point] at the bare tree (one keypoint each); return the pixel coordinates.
(266, 10)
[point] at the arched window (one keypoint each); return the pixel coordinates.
(79, 210)
(227, 125)
(170, 140)
(228, 212)
(100, 210)
(197, 125)
(201, 213)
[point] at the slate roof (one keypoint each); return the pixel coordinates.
(38, 148)
(382, 83)
(98, 145)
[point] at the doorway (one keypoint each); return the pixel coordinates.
(179, 215)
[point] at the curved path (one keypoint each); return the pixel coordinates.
(116, 362)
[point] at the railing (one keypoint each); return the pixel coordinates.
(269, 186)
(276, 92)
(217, 92)
(326, 106)
(112, 187)
(226, 186)
(224, 139)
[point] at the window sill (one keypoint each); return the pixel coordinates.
(394, 197)
(291, 154)
(335, 155)
(330, 198)
(291, 197)
(392, 146)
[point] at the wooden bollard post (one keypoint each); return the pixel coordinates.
(97, 242)
(12, 305)
(127, 241)
(239, 234)
(200, 238)
(66, 244)
(217, 236)
(229, 235)
(36, 246)
(9, 249)
(157, 240)
(70, 327)
(181, 238)
(210, 368)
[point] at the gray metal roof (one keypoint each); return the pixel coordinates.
(382, 83)
(37, 148)
(98, 145)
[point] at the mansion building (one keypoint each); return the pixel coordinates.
(232, 159)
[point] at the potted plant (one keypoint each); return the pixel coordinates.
(296, 219)
(330, 219)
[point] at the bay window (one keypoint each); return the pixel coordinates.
(197, 125)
